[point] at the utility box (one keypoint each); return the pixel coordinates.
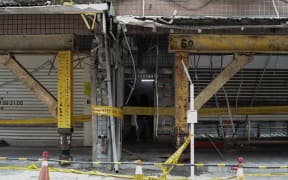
(192, 116)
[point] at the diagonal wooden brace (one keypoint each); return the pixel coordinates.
(238, 62)
(30, 82)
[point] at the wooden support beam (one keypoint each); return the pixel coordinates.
(65, 89)
(229, 71)
(215, 43)
(36, 43)
(30, 82)
(181, 93)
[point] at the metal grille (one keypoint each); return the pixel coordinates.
(247, 8)
(28, 106)
(145, 52)
(42, 24)
(262, 82)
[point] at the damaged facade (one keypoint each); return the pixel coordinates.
(123, 52)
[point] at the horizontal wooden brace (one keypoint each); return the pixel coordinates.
(215, 43)
(36, 43)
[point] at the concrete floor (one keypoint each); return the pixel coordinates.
(254, 156)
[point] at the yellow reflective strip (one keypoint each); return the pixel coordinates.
(199, 165)
(283, 167)
(180, 165)
(262, 167)
(221, 165)
(96, 163)
(22, 159)
(3, 158)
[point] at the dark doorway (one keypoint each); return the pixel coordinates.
(139, 128)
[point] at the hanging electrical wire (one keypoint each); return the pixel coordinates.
(228, 103)
(156, 89)
(217, 102)
(239, 89)
(275, 9)
(260, 80)
(202, 4)
(133, 64)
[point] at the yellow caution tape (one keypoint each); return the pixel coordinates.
(199, 165)
(107, 111)
(283, 167)
(262, 167)
(34, 167)
(35, 121)
(3, 158)
(221, 165)
(22, 159)
(174, 158)
(148, 111)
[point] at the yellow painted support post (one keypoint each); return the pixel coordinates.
(181, 96)
(216, 43)
(65, 89)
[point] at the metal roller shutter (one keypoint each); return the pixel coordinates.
(18, 102)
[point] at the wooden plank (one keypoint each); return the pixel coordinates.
(30, 82)
(215, 43)
(35, 43)
(181, 93)
(229, 71)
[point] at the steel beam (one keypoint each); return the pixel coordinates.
(36, 43)
(181, 93)
(30, 82)
(229, 71)
(213, 43)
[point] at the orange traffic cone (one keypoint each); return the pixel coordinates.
(44, 173)
(138, 172)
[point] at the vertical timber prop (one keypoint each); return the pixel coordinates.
(181, 97)
(65, 93)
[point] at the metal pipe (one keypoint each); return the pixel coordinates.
(275, 8)
(134, 67)
(191, 124)
(156, 90)
(228, 104)
(143, 8)
(110, 100)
